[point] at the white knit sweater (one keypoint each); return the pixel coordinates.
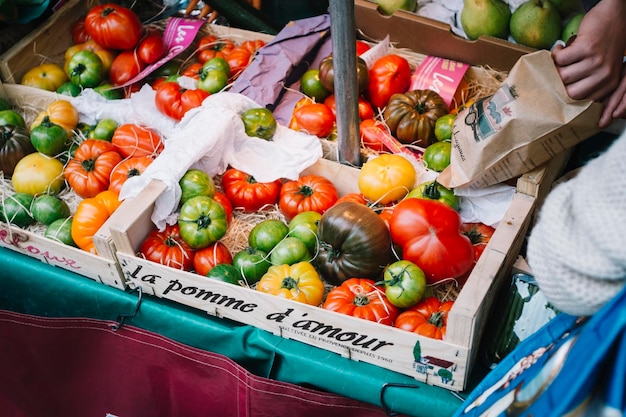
(577, 249)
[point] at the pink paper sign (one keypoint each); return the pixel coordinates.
(178, 35)
(440, 75)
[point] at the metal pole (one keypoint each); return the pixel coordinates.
(343, 31)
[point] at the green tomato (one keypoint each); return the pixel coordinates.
(437, 156)
(444, 126)
(202, 221)
(103, 130)
(16, 210)
(48, 208)
(266, 234)
(109, 91)
(252, 263)
(405, 283)
(259, 122)
(84, 69)
(311, 85)
(304, 227)
(213, 80)
(69, 89)
(226, 273)
(217, 63)
(60, 231)
(167, 69)
(196, 182)
(12, 118)
(48, 138)
(432, 190)
(4, 104)
(289, 251)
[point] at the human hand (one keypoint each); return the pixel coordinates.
(591, 65)
(615, 104)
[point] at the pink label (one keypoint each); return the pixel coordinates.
(179, 34)
(440, 75)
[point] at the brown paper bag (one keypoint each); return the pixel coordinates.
(529, 120)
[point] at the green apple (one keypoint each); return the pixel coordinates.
(571, 27)
(536, 23)
(485, 17)
(389, 7)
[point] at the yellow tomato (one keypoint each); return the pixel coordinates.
(45, 76)
(60, 112)
(37, 173)
(299, 282)
(386, 178)
(106, 55)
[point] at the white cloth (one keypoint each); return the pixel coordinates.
(577, 249)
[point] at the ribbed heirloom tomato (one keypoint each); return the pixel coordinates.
(427, 318)
(113, 26)
(89, 171)
(126, 169)
(168, 248)
(245, 192)
(362, 298)
(132, 140)
(90, 215)
(174, 101)
(429, 233)
(298, 282)
(307, 193)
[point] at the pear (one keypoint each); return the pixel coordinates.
(571, 27)
(485, 17)
(389, 7)
(536, 23)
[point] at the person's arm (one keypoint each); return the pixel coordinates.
(591, 66)
(577, 248)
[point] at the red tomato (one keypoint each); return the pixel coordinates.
(79, 33)
(238, 59)
(113, 26)
(89, 171)
(125, 67)
(206, 258)
(210, 46)
(132, 140)
(167, 248)
(389, 75)
(371, 131)
(355, 197)
(362, 298)
(151, 48)
(429, 233)
(225, 202)
(308, 193)
(428, 318)
(365, 108)
(126, 169)
(193, 70)
(245, 192)
(479, 234)
(315, 119)
(362, 47)
(174, 101)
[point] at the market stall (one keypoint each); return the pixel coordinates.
(129, 261)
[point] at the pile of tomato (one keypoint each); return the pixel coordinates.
(111, 48)
(381, 260)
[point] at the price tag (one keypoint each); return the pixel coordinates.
(440, 75)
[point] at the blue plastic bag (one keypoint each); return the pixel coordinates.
(571, 366)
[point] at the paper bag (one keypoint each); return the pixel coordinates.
(529, 120)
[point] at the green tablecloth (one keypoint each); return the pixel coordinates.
(31, 287)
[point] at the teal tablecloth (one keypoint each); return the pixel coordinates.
(31, 287)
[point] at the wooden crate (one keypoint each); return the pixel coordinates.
(446, 363)
(47, 44)
(102, 267)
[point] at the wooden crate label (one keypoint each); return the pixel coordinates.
(427, 360)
